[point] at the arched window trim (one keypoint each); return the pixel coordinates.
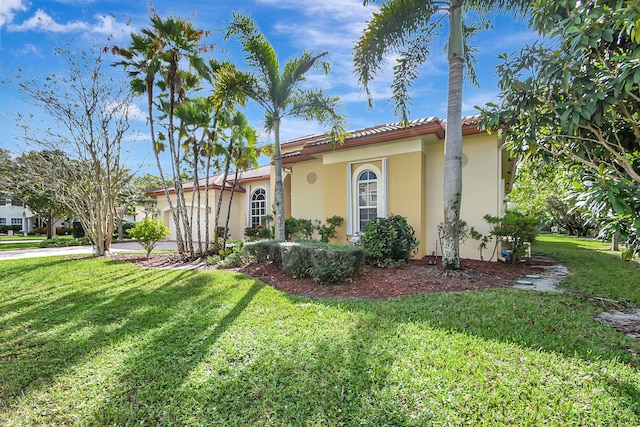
(354, 170)
(261, 208)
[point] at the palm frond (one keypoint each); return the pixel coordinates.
(316, 105)
(390, 29)
(259, 52)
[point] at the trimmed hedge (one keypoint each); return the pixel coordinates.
(60, 242)
(264, 250)
(324, 263)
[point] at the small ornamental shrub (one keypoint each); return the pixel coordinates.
(328, 232)
(388, 241)
(78, 230)
(514, 229)
(148, 232)
(298, 228)
(232, 257)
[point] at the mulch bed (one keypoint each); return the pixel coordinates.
(419, 276)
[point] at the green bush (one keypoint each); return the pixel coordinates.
(336, 263)
(78, 230)
(514, 229)
(148, 232)
(14, 228)
(388, 241)
(298, 228)
(322, 262)
(328, 232)
(232, 257)
(264, 251)
(64, 242)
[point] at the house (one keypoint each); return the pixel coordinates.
(14, 213)
(381, 170)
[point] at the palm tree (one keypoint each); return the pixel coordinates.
(407, 27)
(278, 92)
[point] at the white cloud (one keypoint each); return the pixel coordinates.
(108, 25)
(8, 9)
(41, 21)
(335, 9)
(136, 113)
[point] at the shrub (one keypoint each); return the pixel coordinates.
(515, 229)
(253, 232)
(264, 250)
(78, 230)
(5, 228)
(388, 241)
(148, 232)
(336, 263)
(63, 231)
(42, 230)
(229, 258)
(64, 242)
(328, 232)
(298, 228)
(322, 262)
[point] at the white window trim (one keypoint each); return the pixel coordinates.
(250, 191)
(352, 184)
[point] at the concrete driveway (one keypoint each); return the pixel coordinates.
(79, 250)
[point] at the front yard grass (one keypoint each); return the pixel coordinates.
(101, 342)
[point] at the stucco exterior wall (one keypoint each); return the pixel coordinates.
(481, 189)
(414, 185)
(236, 221)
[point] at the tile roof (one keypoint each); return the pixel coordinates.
(215, 181)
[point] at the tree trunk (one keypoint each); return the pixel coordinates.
(278, 199)
(453, 143)
(226, 224)
(614, 242)
(49, 226)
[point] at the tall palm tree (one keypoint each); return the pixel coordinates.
(278, 92)
(407, 28)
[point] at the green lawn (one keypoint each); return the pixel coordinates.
(13, 245)
(98, 342)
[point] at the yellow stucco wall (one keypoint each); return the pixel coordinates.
(236, 220)
(481, 189)
(414, 186)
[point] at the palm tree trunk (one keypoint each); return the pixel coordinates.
(278, 203)
(226, 224)
(453, 143)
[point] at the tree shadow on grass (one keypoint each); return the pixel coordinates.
(54, 336)
(151, 379)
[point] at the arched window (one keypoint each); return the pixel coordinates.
(367, 208)
(258, 206)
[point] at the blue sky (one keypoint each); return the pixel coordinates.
(31, 30)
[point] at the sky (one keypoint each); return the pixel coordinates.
(30, 31)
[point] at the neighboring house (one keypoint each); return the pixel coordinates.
(381, 170)
(14, 213)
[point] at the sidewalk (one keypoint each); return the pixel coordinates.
(79, 250)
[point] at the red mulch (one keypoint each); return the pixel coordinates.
(419, 276)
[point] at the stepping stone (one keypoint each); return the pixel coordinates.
(524, 282)
(532, 276)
